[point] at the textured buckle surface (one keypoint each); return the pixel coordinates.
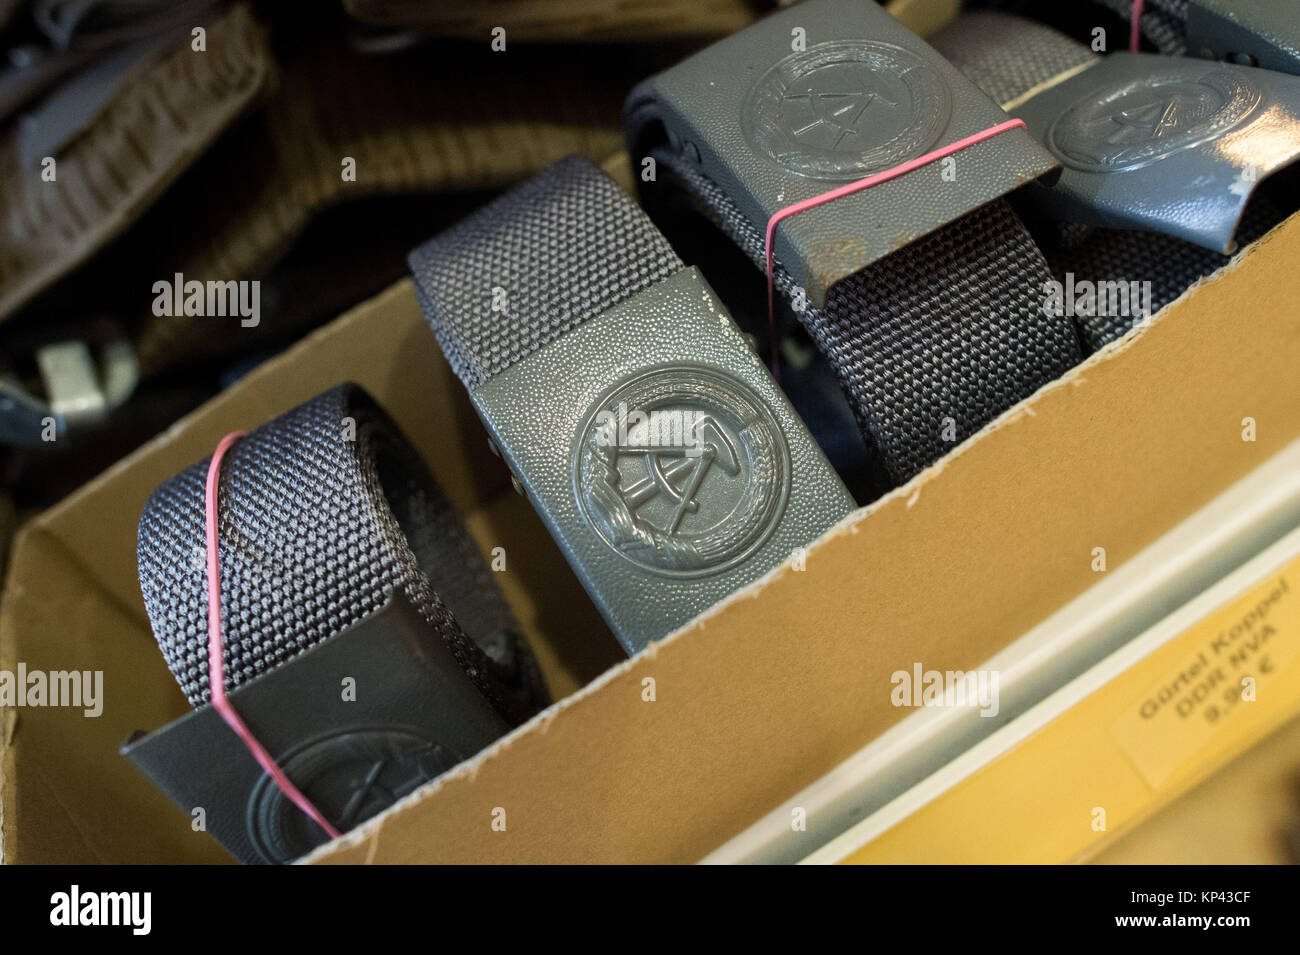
(1262, 33)
(1135, 130)
(415, 714)
(662, 456)
(773, 126)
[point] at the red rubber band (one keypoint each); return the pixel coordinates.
(216, 668)
(1134, 31)
(852, 187)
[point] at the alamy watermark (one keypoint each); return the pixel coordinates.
(920, 687)
(38, 688)
(75, 907)
(1103, 299)
(658, 429)
(178, 297)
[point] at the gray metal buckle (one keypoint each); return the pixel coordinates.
(1262, 33)
(1136, 132)
(772, 125)
(420, 716)
(661, 455)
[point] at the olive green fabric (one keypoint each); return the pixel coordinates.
(140, 142)
(529, 21)
(477, 128)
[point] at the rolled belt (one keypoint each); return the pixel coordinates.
(324, 513)
(665, 461)
(926, 294)
(1169, 242)
(949, 327)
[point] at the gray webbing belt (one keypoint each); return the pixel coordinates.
(1171, 265)
(950, 326)
(1009, 57)
(324, 513)
(1005, 55)
(1163, 22)
(569, 317)
(562, 248)
(924, 293)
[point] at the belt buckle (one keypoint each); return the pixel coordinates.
(773, 126)
(662, 456)
(1134, 129)
(353, 758)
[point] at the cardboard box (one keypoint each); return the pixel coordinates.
(752, 701)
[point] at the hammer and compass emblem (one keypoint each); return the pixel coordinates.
(1136, 123)
(691, 480)
(844, 108)
(680, 480)
(1143, 122)
(837, 111)
(351, 775)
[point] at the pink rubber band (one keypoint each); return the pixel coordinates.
(852, 187)
(216, 668)
(1135, 32)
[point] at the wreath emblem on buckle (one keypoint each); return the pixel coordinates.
(846, 108)
(682, 470)
(351, 776)
(1135, 123)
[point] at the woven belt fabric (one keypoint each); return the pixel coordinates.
(1163, 22)
(324, 513)
(987, 46)
(1171, 265)
(951, 326)
(563, 247)
(630, 409)
(1005, 55)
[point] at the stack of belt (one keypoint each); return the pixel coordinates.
(324, 513)
(662, 456)
(926, 291)
(1132, 132)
